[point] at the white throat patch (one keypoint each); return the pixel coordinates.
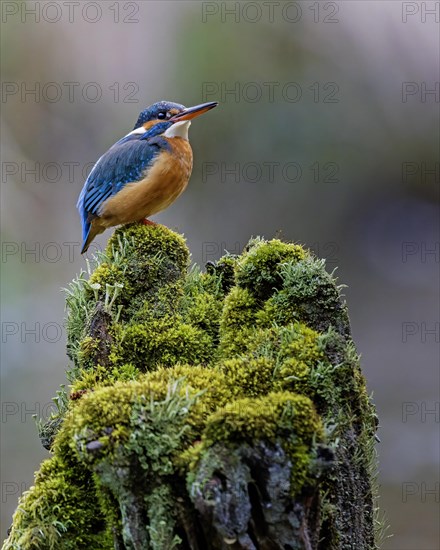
(178, 129)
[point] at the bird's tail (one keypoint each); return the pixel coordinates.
(87, 240)
(93, 229)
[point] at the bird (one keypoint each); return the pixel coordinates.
(142, 173)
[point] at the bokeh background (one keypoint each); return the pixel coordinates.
(327, 133)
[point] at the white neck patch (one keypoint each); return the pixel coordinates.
(140, 130)
(178, 129)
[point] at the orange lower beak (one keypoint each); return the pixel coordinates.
(192, 112)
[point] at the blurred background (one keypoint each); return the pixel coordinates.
(327, 133)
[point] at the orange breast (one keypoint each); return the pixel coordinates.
(162, 183)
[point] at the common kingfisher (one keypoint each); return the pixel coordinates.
(142, 173)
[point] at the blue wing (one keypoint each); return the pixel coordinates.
(123, 163)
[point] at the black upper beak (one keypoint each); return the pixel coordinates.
(192, 112)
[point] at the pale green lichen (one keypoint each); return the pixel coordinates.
(176, 371)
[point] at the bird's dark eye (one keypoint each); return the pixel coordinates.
(162, 115)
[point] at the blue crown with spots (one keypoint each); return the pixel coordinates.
(152, 112)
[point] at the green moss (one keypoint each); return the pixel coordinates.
(91, 417)
(287, 418)
(112, 414)
(205, 313)
(279, 310)
(88, 351)
(249, 377)
(313, 295)
(172, 366)
(277, 414)
(150, 257)
(138, 263)
(259, 268)
(298, 357)
(279, 343)
(60, 510)
(224, 271)
(137, 241)
(238, 315)
(150, 315)
(163, 341)
(163, 302)
(209, 384)
(124, 373)
(239, 310)
(87, 379)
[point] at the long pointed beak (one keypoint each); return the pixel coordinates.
(192, 112)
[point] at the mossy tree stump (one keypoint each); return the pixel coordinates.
(218, 410)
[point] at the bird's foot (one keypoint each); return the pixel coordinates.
(144, 221)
